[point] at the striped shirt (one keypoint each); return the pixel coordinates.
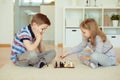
(18, 47)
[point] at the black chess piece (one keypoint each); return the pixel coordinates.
(61, 64)
(56, 64)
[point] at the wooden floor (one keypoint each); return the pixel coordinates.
(4, 55)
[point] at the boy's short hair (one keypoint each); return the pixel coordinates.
(40, 19)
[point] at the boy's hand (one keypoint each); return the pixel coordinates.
(64, 55)
(37, 34)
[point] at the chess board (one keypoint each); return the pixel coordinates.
(63, 64)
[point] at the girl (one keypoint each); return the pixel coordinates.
(102, 50)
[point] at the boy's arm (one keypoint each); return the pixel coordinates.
(41, 46)
(31, 46)
(37, 50)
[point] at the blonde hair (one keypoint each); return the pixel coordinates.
(91, 25)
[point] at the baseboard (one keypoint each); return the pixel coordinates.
(5, 45)
(118, 61)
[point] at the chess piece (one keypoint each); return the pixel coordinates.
(56, 64)
(71, 64)
(61, 64)
(64, 64)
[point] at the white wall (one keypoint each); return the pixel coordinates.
(6, 21)
(60, 4)
(49, 10)
(22, 19)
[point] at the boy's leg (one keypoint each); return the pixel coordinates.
(48, 55)
(101, 59)
(27, 58)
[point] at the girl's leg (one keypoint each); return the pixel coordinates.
(84, 61)
(101, 59)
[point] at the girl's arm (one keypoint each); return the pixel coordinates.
(76, 49)
(79, 47)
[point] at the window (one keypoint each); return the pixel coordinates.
(34, 2)
(47, 1)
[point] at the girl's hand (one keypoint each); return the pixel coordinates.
(64, 55)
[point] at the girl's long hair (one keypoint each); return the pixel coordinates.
(91, 25)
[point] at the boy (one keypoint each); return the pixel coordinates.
(27, 48)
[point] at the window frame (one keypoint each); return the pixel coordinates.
(22, 3)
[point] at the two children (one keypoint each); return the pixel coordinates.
(27, 48)
(94, 38)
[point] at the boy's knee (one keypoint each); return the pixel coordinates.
(32, 55)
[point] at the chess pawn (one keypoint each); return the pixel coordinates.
(56, 65)
(61, 64)
(65, 64)
(71, 64)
